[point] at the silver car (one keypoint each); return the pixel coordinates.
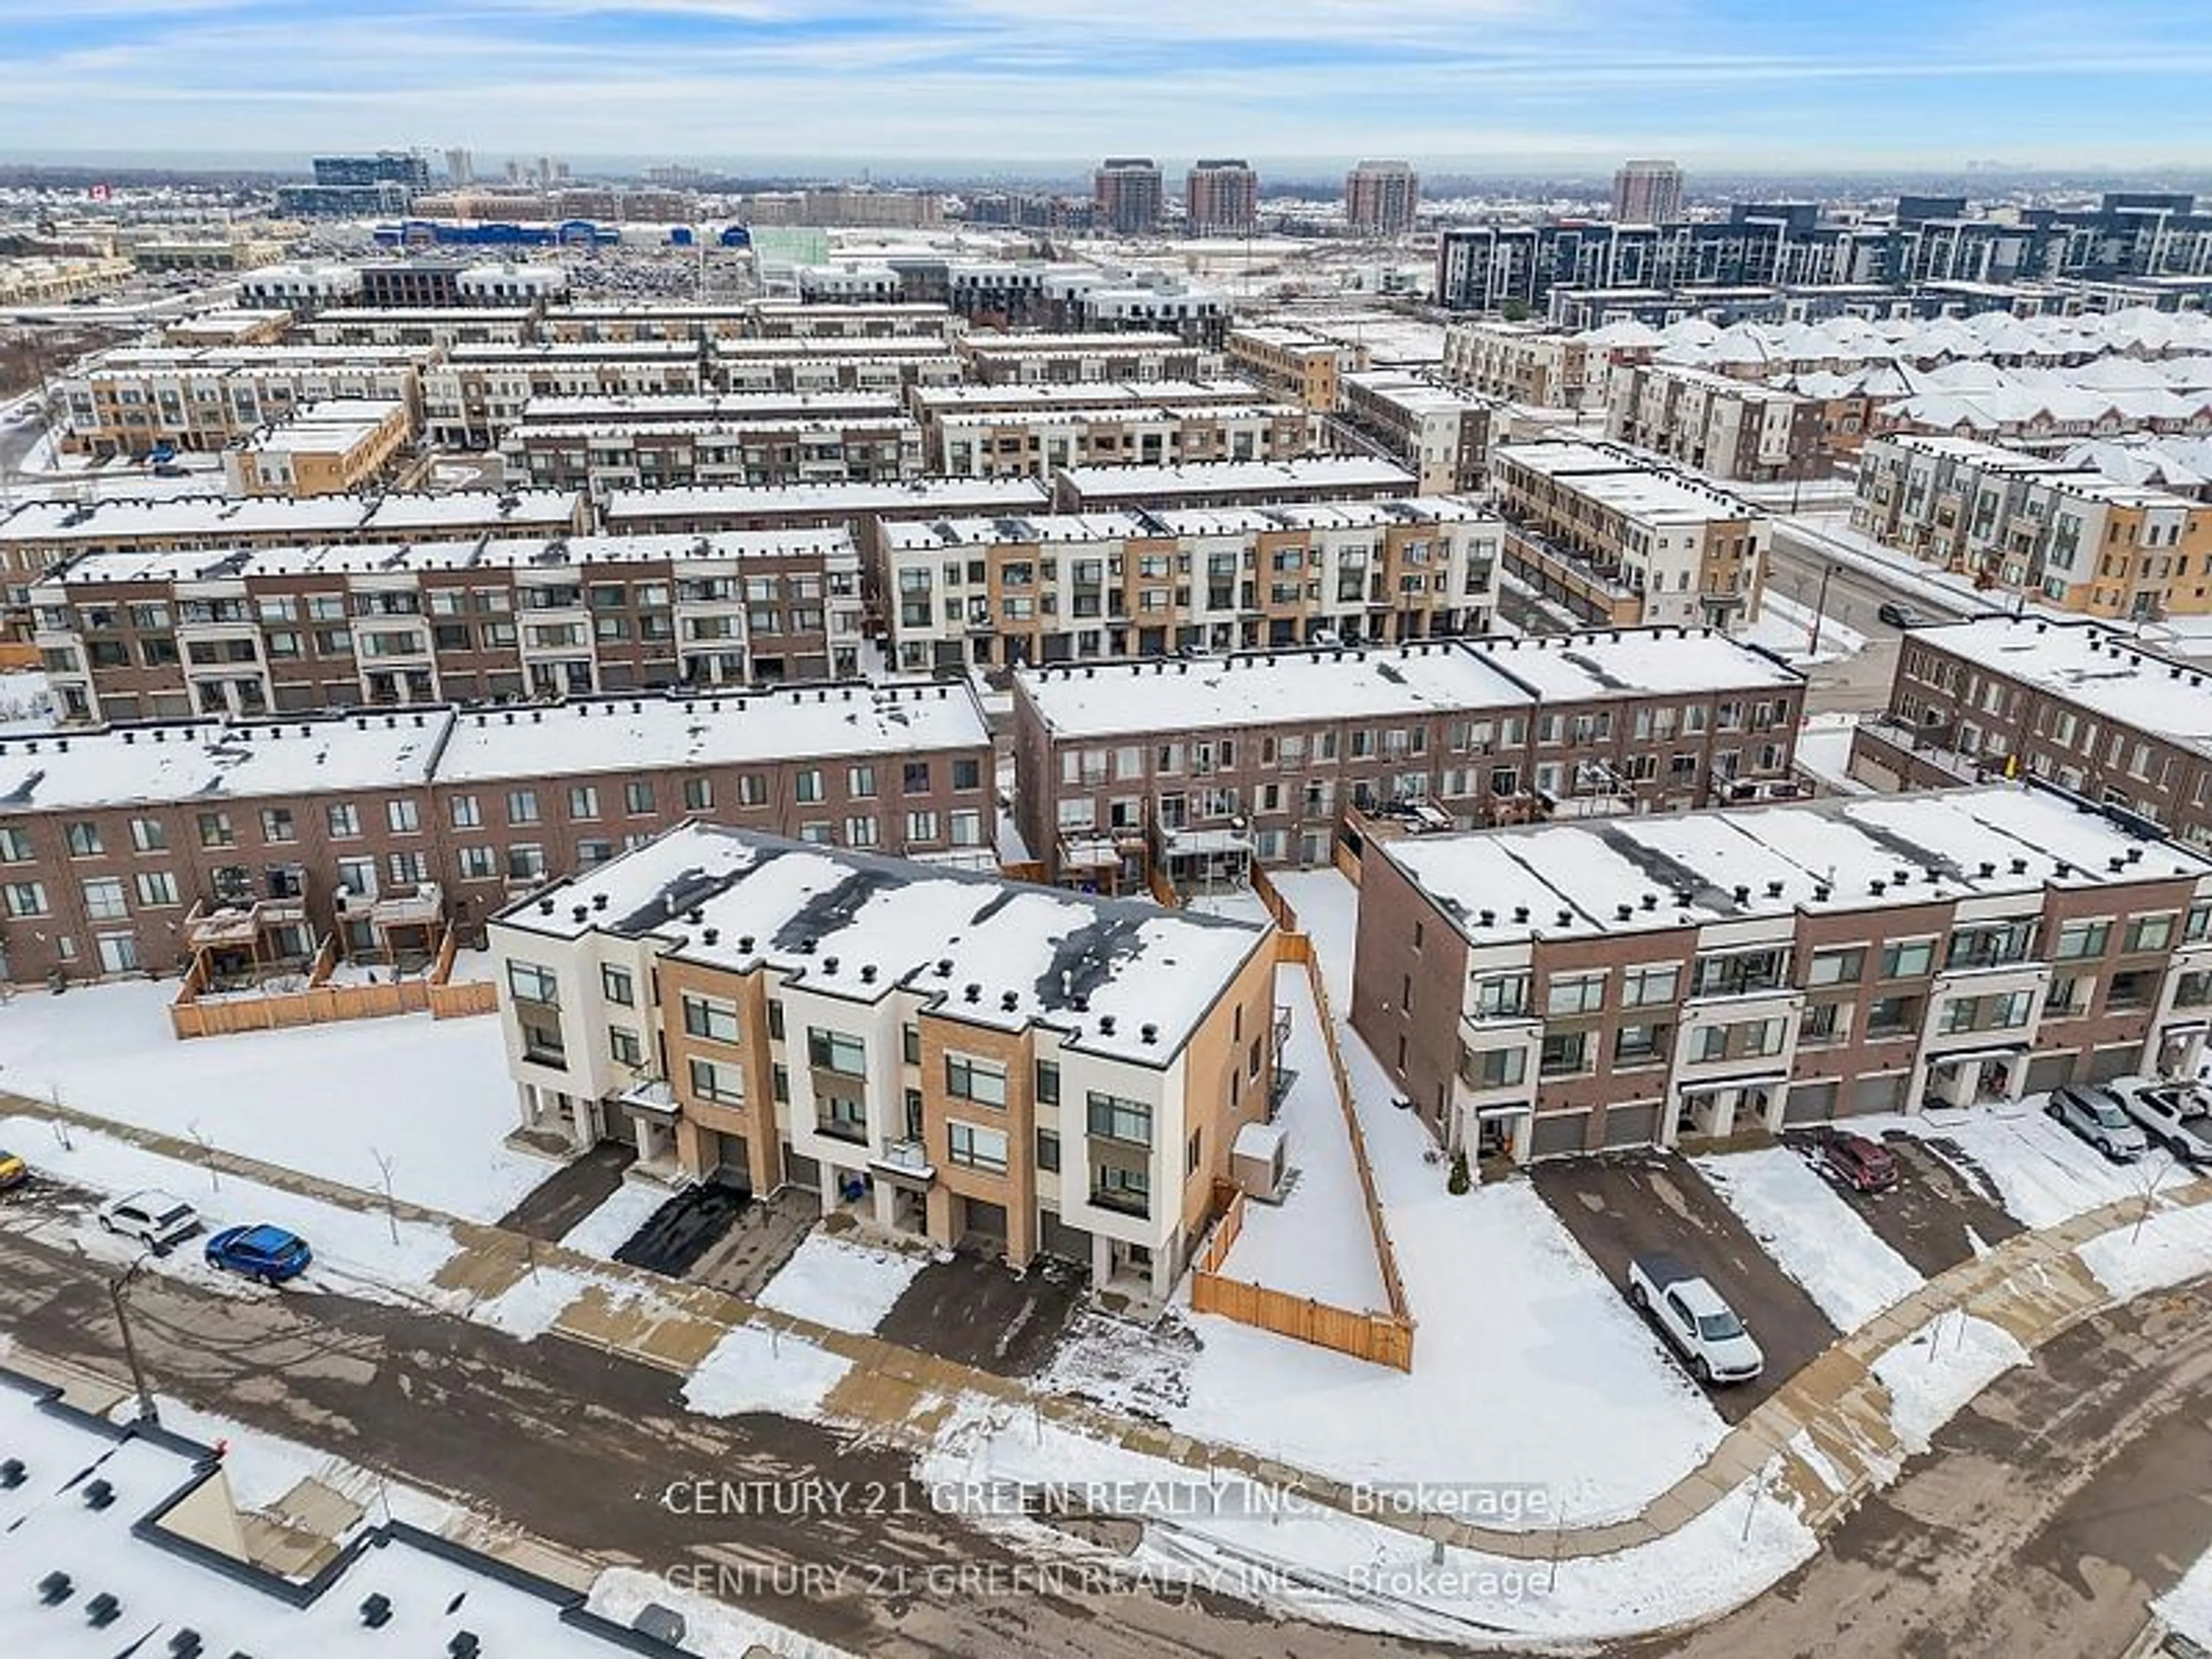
(2095, 1114)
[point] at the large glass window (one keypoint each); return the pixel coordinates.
(1114, 1118)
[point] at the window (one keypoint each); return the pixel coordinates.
(84, 841)
(215, 831)
(277, 825)
(103, 899)
(1575, 993)
(403, 818)
(478, 864)
(1650, 986)
(1502, 996)
(860, 832)
(718, 1082)
(1835, 967)
(842, 1117)
(2131, 989)
(1990, 945)
(1047, 1151)
(920, 827)
(698, 794)
(806, 785)
(1892, 1015)
(542, 1043)
(526, 861)
(616, 986)
(860, 782)
(1494, 1068)
(530, 983)
(622, 1044)
(1564, 1054)
(1821, 1022)
(1128, 1190)
(1638, 1043)
(344, 820)
(157, 887)
(774, 1020)
(709, 1017)
(14, 845)
(975, 1079)
(1047, 1085)
(2078, 940)
(1112, 1117)
(835, 1051)
(975, 1147)
(147, 835)
(522, 806)
(914, 778)
(1195, 1154)
(1913, 960)
(637, 798)
(25, 898)
(968, 774)
(2150, 934)
(1737, 972)
(584, 801)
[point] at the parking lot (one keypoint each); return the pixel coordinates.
(1935, 1214)
(1622, 1205)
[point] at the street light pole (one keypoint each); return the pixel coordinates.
(117, 1287)
(1819, 610)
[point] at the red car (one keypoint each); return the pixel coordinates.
(1864, 1165)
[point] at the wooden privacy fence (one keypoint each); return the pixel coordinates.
(323, 1003)
(1383, 1338)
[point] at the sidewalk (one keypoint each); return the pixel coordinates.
(1827, 1437)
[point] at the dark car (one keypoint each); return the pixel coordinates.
(268, 1254)
(1864, 1165)
(1900, 615)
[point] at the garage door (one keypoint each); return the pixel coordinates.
(1809, 1103)
(983, 1218)
(2106, 1064)
(1878, 1094)
(1633, 1125)
(801, 1170)
(1558, 1131)
(2046, 1071)
(728, 1162)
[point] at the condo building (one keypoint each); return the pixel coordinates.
(1036, 442)
(241, 845)
(1196, 770)
(953, 1055)
(1735, 431)
(1381, 198)
(1220, 198)
(1647, 193)
(1063, 587)
(1668, 980)
(1127, 195)
(1439, 435)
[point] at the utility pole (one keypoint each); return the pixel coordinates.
(1819, 610)
(117, 1288)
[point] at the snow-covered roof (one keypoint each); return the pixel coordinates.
(1110, 524)
(1057, 394)
(1311, 473)
(1117, 342)
(1136, 409)
(1122, 978)
(126, 518)
(1621, 480)
(1578, 880)
(1635, 662)
(2098, 668)
(906, 499)
(619, 734)
(666, 408)
(144, 1549)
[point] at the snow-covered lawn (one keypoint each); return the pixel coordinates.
(1316, 1243)
(2169, 1247)
(1939, 1368)
(610, 1227)
(1813, 1235)
(2043, 1174)
(432, 1095)
(753, 1368)
(1327, 907)
(847, 1285)
(2187, 1606)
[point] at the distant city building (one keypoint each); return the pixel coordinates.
(1221, 198)
(1128, 195)
(350, 186)
(386, 167)
(1647, 193)
(1381, 198)
(460, 167)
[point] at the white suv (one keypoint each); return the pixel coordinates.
(155, 1220)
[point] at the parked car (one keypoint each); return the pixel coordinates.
(262, 1252)
(2178, 1116)
(14, 1172)
(1692, 1316)
(1864, 1165)
(2093, 1113)
(156, 1219)
(1898, 616)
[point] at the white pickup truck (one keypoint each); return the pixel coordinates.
(1704, 1328)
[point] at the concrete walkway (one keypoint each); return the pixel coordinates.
(2034, 1287)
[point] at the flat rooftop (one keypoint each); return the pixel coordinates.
(1165, 483)
(142, 1550)
(1585, 879)
(1103, 413)
(663, 409)
(2096, 667)
(907, 498)
(944, 400)
(1104, 344)
(1115, 524)
(1635, 662)
(123, 519)
(1619, 481)
(1120, 978)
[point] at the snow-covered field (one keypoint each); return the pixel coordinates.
(1316, 1243)
(2042, 1173)
(432, 1095)
(1813, 1235)
(837, 1282)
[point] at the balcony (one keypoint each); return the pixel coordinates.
(1121, 1201)
(904, 1161)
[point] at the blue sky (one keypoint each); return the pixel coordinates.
(1484, 84)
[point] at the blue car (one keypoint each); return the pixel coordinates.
(268, 1254)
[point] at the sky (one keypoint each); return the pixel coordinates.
(1472, 85)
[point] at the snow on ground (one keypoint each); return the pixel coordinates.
(433, 1096)
(1939, 1368)
(713, 1629)
(355, 1253)
(2042, 1173)
(1824, 749)
(1785, 628)
(2167, 1248)
(1327, 907)
(838, 1282)
(1813, 1235)
(1240, 903)
(612, 1225)
(1316, 1243)
(754, 1368)
(26, 705)
(528, 1309)
(2187, 1606)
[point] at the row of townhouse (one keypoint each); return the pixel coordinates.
(40, 535)
(1137, 488)
(1066, 587)
(748, 319)
(137, 636)
(1441, 436)
(1039, 442)
(995, 359)
(1565, 987)
(627, 454)
(432, 326)
(952, 1055)
(342, 448)
(1301, 364)
(1197, 769)
(834, 364)
(934, 404)
(475, 393)
(2028, 524)
(1525, 363)
(1619, 539)
(141, 848)
(1735, 429)
(132, 400)
(2076, 703)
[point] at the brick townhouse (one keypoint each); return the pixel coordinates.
(1198, 768)
(1641, 981)
(952, 1055)
(1038, 442)
(475, 393)
(116, 847)
(995, 359)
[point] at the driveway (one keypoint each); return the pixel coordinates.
(1622, 1205)
(1933, 1217)
(981, 1313)
(571, 1191)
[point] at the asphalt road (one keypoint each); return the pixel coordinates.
(1858, 684)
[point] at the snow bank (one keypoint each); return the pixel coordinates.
(2170, 1247)
(2043, 1174)
(1934, 1373)
(753, 1368)
(2187, 1606)
(1812, 1234)
(835, 1282)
